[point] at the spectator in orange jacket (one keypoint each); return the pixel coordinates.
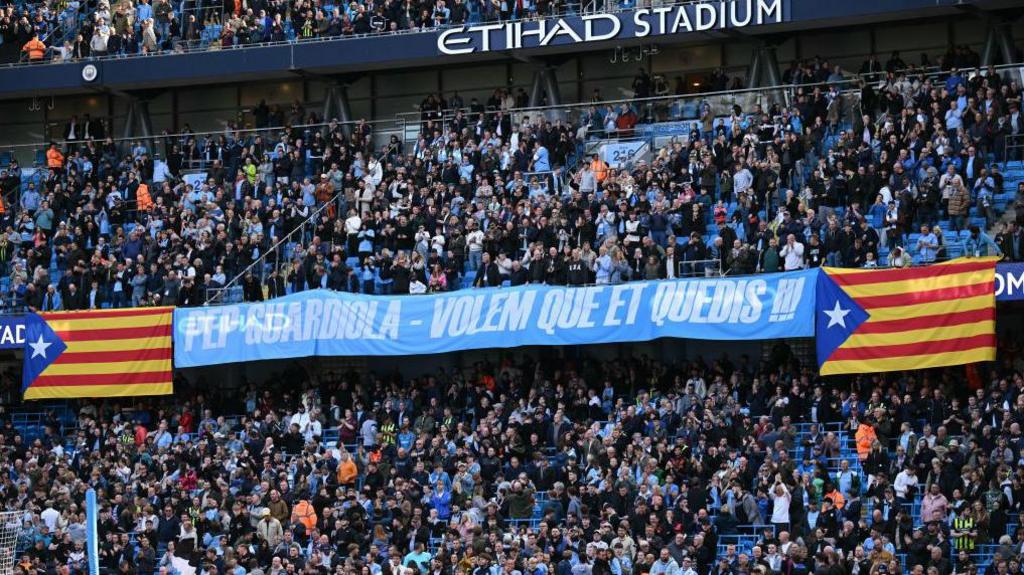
(600, 168)
(347, 470)
(304, 513)
(143, 200)
(836, 497)
(865, 436)
(54, 159)
(35, 49)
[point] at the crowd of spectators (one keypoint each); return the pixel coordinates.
(77, 29)
(565, 465)
(489, 196)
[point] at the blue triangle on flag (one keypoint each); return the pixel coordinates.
(836, 318)
(42, 347)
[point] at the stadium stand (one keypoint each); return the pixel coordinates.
(595, 466)
(499, 195)
(573, 463)
(75, 30)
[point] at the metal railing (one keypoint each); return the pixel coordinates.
(27, 154)
(217, 295)
(686, 108)
(1014, 149)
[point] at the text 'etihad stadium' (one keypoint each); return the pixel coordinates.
(639, 23)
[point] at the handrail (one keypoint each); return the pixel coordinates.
(273, 249)
(414, 117)
(227, 132)
(850, 83)
(1014, 143)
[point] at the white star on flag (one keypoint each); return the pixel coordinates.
(836, 316)
(39, 347)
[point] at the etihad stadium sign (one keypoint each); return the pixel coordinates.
(639, 23)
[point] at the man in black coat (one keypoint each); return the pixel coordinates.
(488, 274)
(251, 289)
(519, 275)
(576, 272)
(73, 299)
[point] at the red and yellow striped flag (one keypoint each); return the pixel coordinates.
(916, 318)
(102, 353)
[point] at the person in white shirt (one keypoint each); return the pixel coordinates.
(780, 505)
(774, 558)
(374, 172)
(905, 481)
(50, 516)
(792, 254)
(301, 418)
(314, 429)
(475, 246)
(352, 225)
(742, 180)
(949, 183)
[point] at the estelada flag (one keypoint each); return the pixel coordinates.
(868, 321)
(98, 353)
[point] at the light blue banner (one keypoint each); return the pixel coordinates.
(328, 323)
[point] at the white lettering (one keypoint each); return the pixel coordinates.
(193, 328)
(643, 28)
(493, 312)
(662, 18)
(445, 42)
(254, 324)
(442, 315)
(539, 32)
(600, 27)
(589, 305)
(767, 11)
(701, 299)
(392, 318)
(561, 28)
(752, 311)
(682, 21)
(733, 19)
(485, 35)
(706, 16)
(615, 302)
(549, 311)
(1011, 284)
(292, 331)
(634, 302)
(311, 325)
(722, 302)
(588, 27)
(517, 310)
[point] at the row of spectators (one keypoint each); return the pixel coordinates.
(489, 196)
(75, 30)
(580, 465)
(68, 30)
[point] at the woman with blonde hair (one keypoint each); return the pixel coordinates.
(619, 266)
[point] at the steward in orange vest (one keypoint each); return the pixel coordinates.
(143, 201)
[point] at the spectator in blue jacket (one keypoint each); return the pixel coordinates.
(441, 500)
(979, 244)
